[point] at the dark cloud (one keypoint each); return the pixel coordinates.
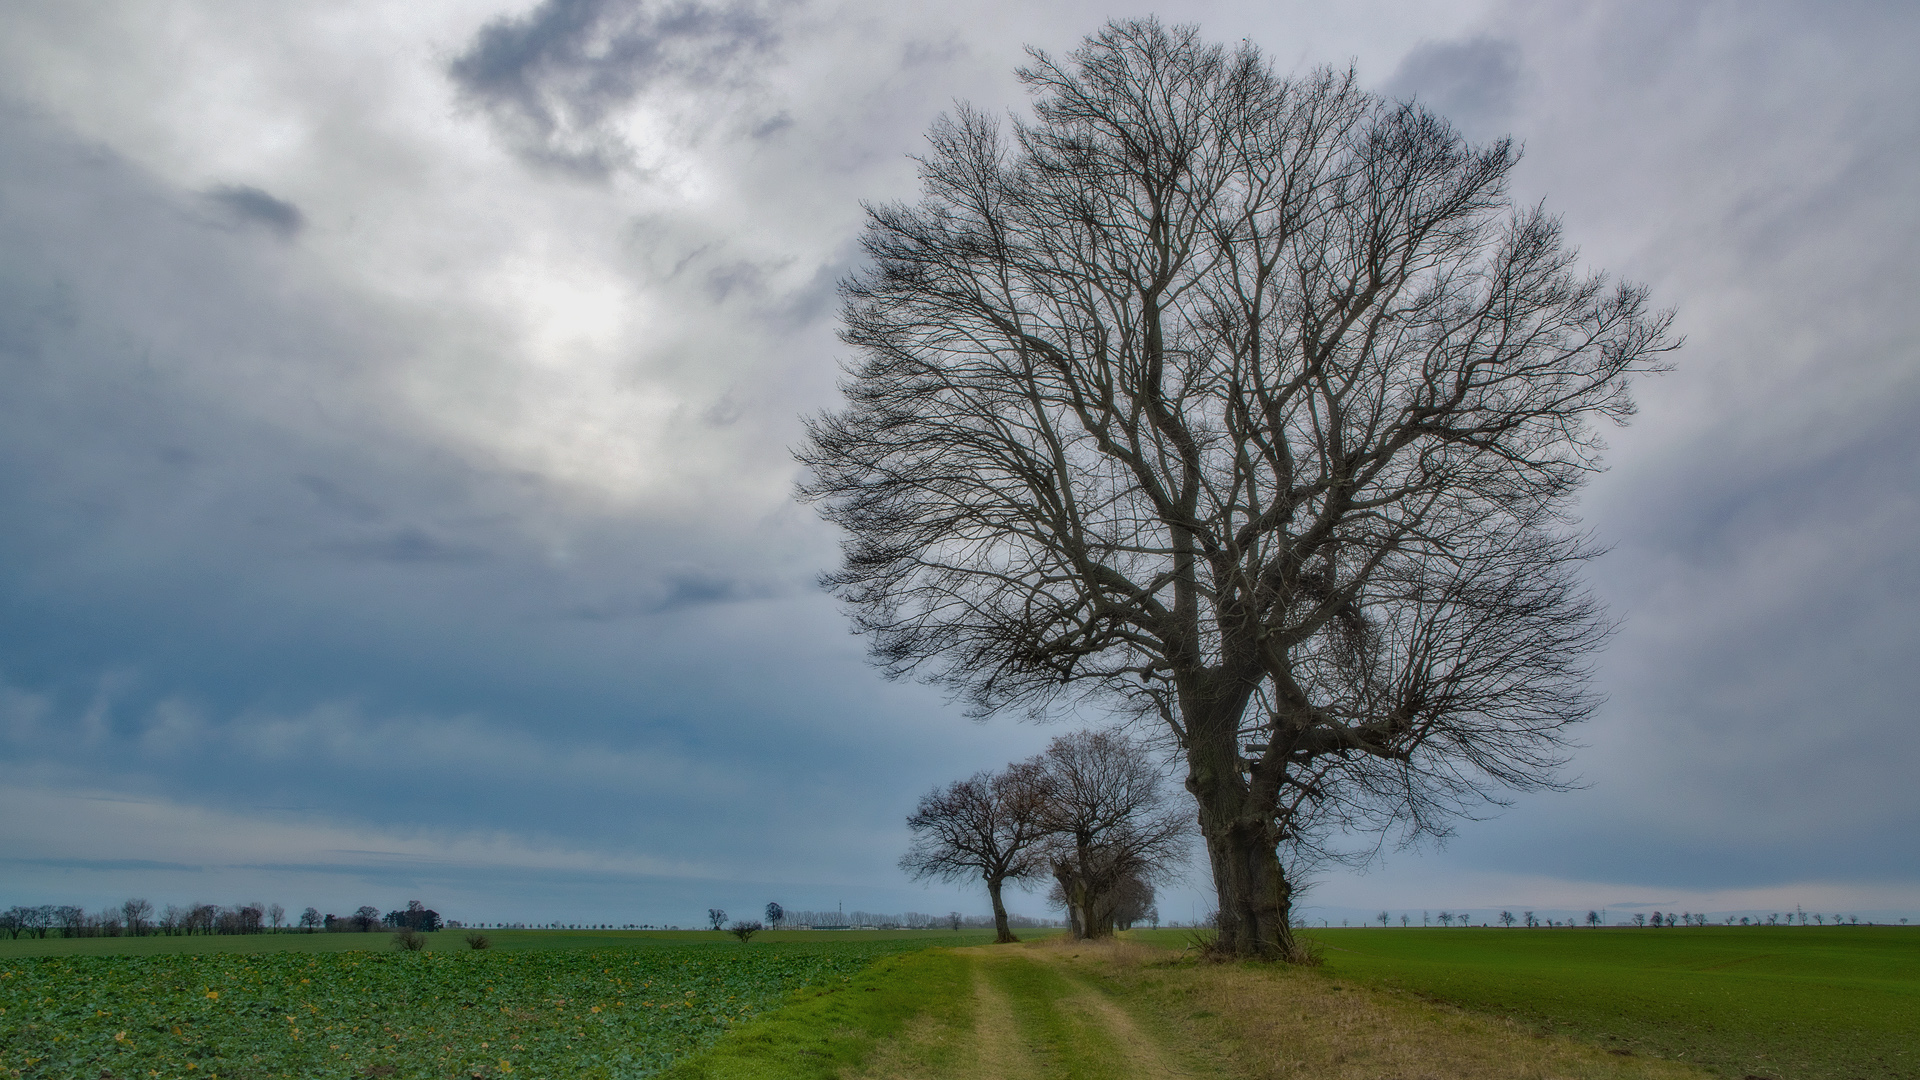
(552, 80)
(246, 205)
(1472, 82)
(406, 545)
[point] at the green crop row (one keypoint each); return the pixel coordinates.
(610, 1013)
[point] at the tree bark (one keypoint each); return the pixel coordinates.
(1242, 835)
(1002, 934)
(1254, 895)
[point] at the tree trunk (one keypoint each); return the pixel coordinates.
(1255, 898)
(1002, 934)
(1254, 895)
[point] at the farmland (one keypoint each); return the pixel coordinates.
(1774, 1003)
(1732, 1002)
(540, 1004)
(1815, 1002)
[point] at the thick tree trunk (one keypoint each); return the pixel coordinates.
(1002, 934)
(1255, 898)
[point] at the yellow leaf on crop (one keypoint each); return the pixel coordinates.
(506, 1066)
(213, 995)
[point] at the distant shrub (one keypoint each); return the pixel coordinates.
(409, 940)
(744, 929)
(478, 941)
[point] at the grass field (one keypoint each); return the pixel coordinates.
(1821, 1003)
(1776, 1003)
(1055, 1010)
(541, 1003)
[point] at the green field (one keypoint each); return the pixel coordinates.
(1814, 1002)
(541, 1003)
(1781, 1003)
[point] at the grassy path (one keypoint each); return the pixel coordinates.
(1113, 1011)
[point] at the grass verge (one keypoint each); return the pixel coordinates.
(823, 1032)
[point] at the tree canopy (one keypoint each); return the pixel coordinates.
(1248, 404)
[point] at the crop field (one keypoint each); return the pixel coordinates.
(1814, 1002)
(540, 1004)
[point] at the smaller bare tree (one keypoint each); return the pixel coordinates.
(1105, 811)
(139, 916)
(744, 929)
(277, 916)
(775, 915)
(717, 917)
(988, 826)
(1131, 901)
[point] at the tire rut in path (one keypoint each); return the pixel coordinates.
(1075, 1031)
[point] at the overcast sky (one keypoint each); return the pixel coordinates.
(395, 403)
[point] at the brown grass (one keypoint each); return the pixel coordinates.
(1280, 1023)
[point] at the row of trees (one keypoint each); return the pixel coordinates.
(137, 917)
(777, 917)
(1092, 812)
(1642, 919)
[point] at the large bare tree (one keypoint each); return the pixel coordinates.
(1249, 403)
(986, 826)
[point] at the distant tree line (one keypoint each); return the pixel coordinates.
(800, 919)
(137, 917)
(1597, 918)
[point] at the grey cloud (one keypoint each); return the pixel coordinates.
(405, 545)
(552, 80)
(771, 126)
(245, 205)
(1471, 82)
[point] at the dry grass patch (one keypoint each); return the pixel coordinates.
(1293, 1024)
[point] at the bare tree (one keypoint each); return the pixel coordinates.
(310, 919)
(1107, 819)
(1247, 403)
(277, 916)
(986, 826)
(139, 915)
(1131, 901)
(717, 917)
